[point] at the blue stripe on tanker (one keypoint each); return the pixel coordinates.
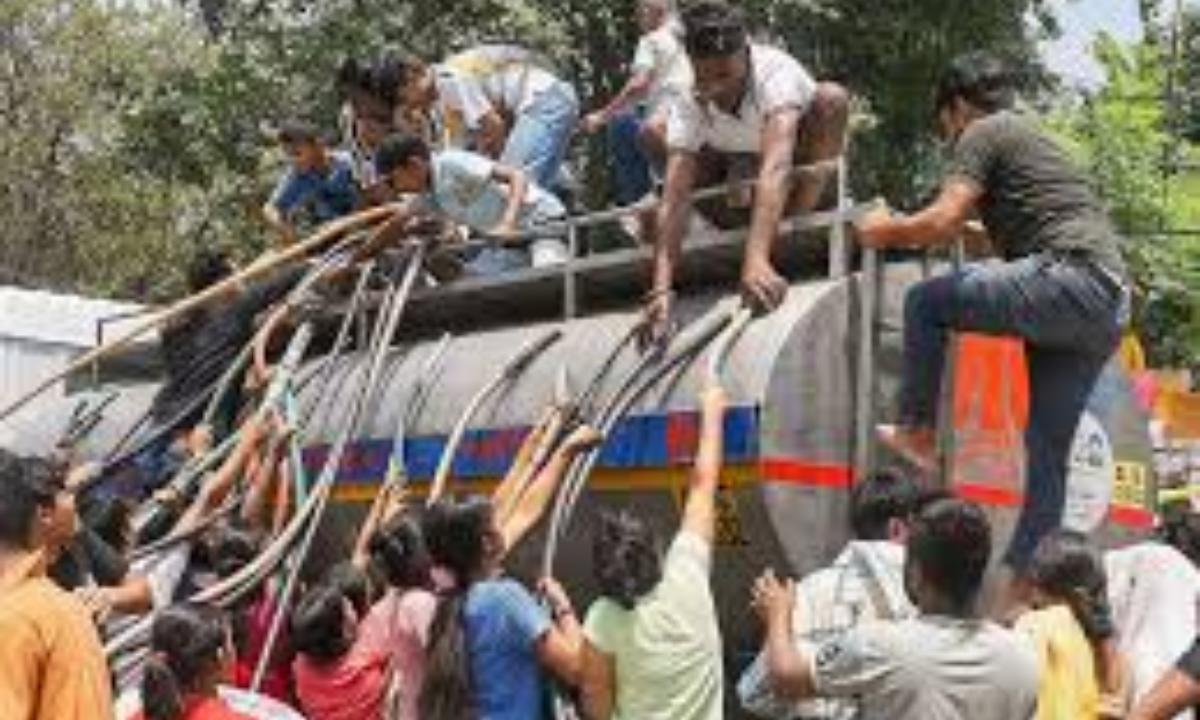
(641, 441)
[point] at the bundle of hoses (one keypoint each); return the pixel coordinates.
(644, 375)
(231, 589)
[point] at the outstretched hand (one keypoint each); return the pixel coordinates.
(772, 599)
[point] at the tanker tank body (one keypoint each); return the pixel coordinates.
(789, 437)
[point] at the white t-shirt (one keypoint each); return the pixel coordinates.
(489, 77)
(931, 668)
(463, 189)
(865, 583)
(777, 81)
(661, 54)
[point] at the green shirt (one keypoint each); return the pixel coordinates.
(667, 649)
(1034, 198)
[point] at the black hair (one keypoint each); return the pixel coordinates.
(390, 72)
(1066, 567)
(627, 557)
(232, 549)
(880, 498)
(950, 542)
(455, 534)
(352, 75)
(318, 624)
(398, 149)
(712, 28)
(295, 132)
(1181, 529)
(354, 584)
(109, 516)
(979, 78)
(207, 267)
(26, 484)
(185, 643)
(398, 550)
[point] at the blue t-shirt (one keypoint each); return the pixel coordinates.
(503, 624)
(463, 189)
(332, 193)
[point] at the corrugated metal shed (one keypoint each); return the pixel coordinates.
(40, 332)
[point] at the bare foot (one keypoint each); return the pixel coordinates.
(916, 445)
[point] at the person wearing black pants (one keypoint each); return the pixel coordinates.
(1061, 285)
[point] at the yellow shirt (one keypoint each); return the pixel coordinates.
(52, 666)
(1067, 688)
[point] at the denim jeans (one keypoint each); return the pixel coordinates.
(1068, 312)
(630, 168)
(541, 134)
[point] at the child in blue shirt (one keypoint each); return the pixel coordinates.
(318, 178)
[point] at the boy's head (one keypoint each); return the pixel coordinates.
(651, 14)
(303, 145)
(882, 506)
(402, 160)
(207, 267)
(949, 545)
(36, 509)
(715, 37)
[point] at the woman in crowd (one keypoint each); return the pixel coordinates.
(653, 646)
(191, 653)
(338, 676)
(491, 641)
(1083, 676)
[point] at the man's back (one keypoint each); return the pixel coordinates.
(53, 665)
(931, 668)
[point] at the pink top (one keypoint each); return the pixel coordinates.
(398, 627)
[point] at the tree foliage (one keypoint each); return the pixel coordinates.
(1122, 135)
(147, 137)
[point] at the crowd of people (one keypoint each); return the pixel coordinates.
(422, 621)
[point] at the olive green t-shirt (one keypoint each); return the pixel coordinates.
(1034, 197)
(667, 649)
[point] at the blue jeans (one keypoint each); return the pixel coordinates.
(541, 134)
(631, 169)
(1068, 312)
(492, 261)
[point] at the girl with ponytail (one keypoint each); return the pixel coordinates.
(191, 653)
(490, 641)
(1082, 674)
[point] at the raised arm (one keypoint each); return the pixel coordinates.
(376, 516)
(506, 493)
(787, 669)
(699, 512)
(531, 505)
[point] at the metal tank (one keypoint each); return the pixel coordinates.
(792, 380)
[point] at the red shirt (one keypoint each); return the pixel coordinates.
(206, 708)
(350, 688)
